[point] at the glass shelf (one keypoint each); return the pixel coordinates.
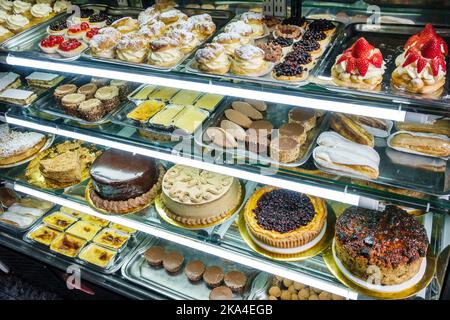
(224, 241)
(113, 282)
(303, 179)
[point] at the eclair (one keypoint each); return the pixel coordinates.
(339, 154)
(421, 143)
(351, 130)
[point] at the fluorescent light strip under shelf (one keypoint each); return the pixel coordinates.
(195, 244)
(351, 108)
(340, 196)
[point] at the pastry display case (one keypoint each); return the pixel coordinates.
(211, 150)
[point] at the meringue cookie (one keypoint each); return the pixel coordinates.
(16, 22)
(6, 5)
(41, 10)
(21, 6)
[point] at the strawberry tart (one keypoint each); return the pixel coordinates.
(422, 67)
(361, 66)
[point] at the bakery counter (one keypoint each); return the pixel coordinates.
(401, 181)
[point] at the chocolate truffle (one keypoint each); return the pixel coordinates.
(213, 276)
(173, 262)
(235, 280)
(119, 175)
(221, 293)
(155, 256)
(194, 270)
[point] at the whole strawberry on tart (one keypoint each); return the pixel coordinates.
(422, 68)
(361, 66)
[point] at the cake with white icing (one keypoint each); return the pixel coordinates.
(18, 96)
(199, 197)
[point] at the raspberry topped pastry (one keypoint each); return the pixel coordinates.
(422, 68)
(361, 66)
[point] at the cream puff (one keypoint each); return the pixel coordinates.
(172, 16)
(148, 16)
(187, 40)
(153, 31)
(126, 25)
(112, 32)
(230, 41)
(361, 66)
(241, 28)
(248, 60)
(256, 21)
(213, 59)
(423, 70)
(132, 48)
(103, 46)
(164, 52)
(204, 29)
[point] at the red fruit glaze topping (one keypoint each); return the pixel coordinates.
(52, 41)
(84, 26)
(420, 39)
(69, 45)
(429, 53)
(92, 32)
(360, 56)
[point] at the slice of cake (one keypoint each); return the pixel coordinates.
(18, 96)
(62, 168)
(10, 80)
(16, 146)
(43, 79)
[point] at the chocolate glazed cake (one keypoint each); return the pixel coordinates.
(392, 240)
(122, 181)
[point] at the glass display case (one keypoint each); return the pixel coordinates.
(307, 102)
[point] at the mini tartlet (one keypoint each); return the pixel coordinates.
(71, 48)
(50, 45)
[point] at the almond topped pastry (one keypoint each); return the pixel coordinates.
(64, 168)
(361, 66)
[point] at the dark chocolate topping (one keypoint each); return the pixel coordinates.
(390, 238)
(283, 210)
(321, 25)
(119, 175)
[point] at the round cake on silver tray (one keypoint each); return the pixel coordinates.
(123, 183)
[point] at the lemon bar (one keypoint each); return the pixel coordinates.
(59, 220)
(163, 93)
(97, 255)
(67, 245)
(111, 238)
(145, 110)
(209, 101)
(122, 228)
(165, 117)
(185, 97)
(190, 119)
(84, 230)
(144, 92)
(43, 234)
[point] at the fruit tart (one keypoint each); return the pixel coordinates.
(90, 34)
(361, 66)
(78, 31)
(51, 44)
(71, 48)
(422, 68)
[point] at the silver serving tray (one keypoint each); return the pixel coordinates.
(178, 286)
(277, 114)
(47, 104)
(390, 39)
(120, 118)
(267, 78)
(121, 256)
(219, 17)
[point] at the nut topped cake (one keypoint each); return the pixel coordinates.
(16, 146)
(122, 181)
(284, 219)
(194, 196)
(392, 240)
